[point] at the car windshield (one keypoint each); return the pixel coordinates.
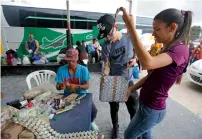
(196, 43)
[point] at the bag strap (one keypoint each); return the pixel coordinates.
(127, 50)
(127, 54)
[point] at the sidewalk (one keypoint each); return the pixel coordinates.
(179, 123)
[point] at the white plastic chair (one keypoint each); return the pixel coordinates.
(40, 76)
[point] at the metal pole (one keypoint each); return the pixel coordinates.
(133, 8)
(68, 31)
(130, 6)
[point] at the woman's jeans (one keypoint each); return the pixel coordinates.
(143, 121)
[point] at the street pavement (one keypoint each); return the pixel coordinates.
(179, 123)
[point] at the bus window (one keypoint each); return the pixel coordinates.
(76, 22)
(49, 20)
(80, 24)
(24, 22)
(72, 22)
(91, 24)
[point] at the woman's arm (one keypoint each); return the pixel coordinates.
(138, 84)
(147, 61)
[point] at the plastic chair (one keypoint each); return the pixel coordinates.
(40, 76)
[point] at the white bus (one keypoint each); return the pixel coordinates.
(49, 27)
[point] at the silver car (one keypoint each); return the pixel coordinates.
(195, 72)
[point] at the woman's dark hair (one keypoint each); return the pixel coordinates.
(94, 40)
(182, 18)
(78, 43)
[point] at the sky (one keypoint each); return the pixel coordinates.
(152, 7)
(140, 7)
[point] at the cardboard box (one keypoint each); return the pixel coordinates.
(5, 125)
(5, 114)
(26, 134)
(12, 131)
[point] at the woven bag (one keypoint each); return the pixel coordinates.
(113, 89)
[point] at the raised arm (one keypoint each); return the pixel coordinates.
(147, 61)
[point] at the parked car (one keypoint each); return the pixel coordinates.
(195, 72)
(196, 43)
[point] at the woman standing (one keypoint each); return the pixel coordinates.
(172, 28)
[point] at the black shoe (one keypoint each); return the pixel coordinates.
(115, 132)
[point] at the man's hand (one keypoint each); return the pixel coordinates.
(132, 62)
(106, 68)
(106, 71)
(128, 92)
(62, 86)
(127, 18)
(73, 86)
(30, 51)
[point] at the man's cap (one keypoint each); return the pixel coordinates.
(71, 54)
(105, 25)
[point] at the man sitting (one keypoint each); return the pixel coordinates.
(74, 77)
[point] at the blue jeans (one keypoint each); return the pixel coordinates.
(143, 121)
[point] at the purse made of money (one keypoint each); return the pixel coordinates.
(113, 89)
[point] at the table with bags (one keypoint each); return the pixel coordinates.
(27, 115)
(75, 120)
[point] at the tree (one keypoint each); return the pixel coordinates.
(195, 32)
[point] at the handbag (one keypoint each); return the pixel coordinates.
(114, 88)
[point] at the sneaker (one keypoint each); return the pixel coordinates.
(94, 126)
(115, 132)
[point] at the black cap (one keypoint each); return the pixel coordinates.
(105, 24)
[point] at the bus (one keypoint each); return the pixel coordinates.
(49, 27)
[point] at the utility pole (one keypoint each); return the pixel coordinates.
(68, 31)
